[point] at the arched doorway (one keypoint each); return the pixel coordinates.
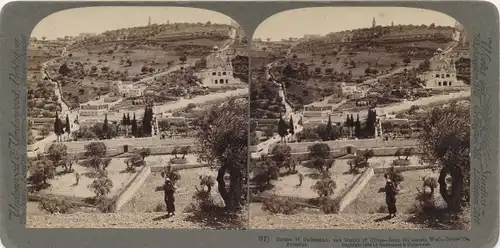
(125, 148)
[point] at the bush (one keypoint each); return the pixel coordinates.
(56, 206)
(101, 186)
(106, 205)
(325, 187)
(425, 205)
(204, 204)
(280, 205)
(431, 183)
(330, 206)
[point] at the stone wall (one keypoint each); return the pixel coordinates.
(380, 170)
(135, 184)
(355, 188)
(358, 144)
(342, 153)
(160, 168)
(74, 146)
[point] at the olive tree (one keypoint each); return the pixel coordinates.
(223, 142)
(445, 142)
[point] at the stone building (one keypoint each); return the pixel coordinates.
(442, 74)
(93, 110)
(351, 91)
(127, 90)
(218, 71)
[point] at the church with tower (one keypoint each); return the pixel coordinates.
(218, 71)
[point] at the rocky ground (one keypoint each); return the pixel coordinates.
(333, 221)
(158, 220)
(114, 220)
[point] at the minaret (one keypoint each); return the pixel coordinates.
(149, 20)
(374, 23)
(392, 23)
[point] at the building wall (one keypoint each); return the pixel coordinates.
(441, 79)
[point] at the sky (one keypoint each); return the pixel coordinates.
(99, 19)
(323, 20)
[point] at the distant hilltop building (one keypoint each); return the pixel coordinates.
(311, 36)
(442, 74)
(192, 32)
(218, 71)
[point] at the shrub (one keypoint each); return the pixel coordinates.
(56, 206)
(325, 187)
(207, 181)
(431, 183)
(204, 202)
(101, 186)
(425, 204)
(330, 206)
(280, 205)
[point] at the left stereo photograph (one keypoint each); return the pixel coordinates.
(137, 118)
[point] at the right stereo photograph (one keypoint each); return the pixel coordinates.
(360, 119)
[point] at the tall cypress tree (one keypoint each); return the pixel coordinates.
(144, 121)
(282, 128)
(128, 120)
(357, 128)
(68, 126)
(57, 126)
(124, 120)
(134, 126)
(370, 123)
(347, 122)
(150, 116)
(329, 129)
(105, 127)
(291, 129)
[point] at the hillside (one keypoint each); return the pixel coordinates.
(315, 66)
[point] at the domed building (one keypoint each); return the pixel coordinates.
(218, 71)
(442, 74)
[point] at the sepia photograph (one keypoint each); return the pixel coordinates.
(137, 118)
(360, 119)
